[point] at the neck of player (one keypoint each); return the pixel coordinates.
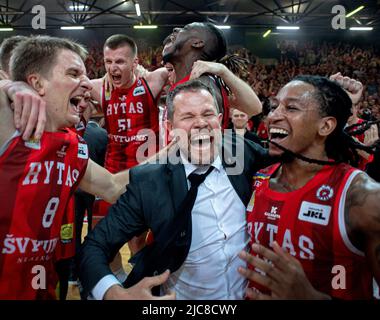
(183, 66)
(295, 174)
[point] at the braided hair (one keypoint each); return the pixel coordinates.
(216, 50)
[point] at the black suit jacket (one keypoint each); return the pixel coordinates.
(153, 197)
(96, 139)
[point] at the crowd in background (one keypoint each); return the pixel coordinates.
(266, 76)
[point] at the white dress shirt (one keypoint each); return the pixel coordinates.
(218, 235)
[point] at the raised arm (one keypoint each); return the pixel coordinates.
(7, 127)
(29, 109)
(156, 80)
(244, 98)
(96, 92)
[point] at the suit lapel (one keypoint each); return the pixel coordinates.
(177, 184)
(237, 180)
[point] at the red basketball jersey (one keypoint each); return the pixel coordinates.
(36, 182)
(309, 223)
(131, 117)
(66, 245)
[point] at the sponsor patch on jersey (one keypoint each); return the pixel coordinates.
(272, 214)
(82, 151)
(138, 91)
(67, 232)
(325, 193)
(314, 213)
(62, 153)
(33, 144)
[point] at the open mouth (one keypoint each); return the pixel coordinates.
(201, 141)
(116, 77)
(74, 103)
(277, 134)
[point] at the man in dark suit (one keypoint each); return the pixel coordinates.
(214, 232)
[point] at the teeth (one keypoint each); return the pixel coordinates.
(200, 137)
(279, 131)
(74, 101)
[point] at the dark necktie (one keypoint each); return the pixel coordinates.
(195, 181)
(171, 246)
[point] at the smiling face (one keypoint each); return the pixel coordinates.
(295, 122)
(197, 123)
(120, 64)
(63, 88)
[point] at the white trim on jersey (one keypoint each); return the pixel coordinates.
(5, 146)
(342, 224)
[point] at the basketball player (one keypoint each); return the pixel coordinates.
(314, 220)
(38, 177)
(204, 41)
(131, 117)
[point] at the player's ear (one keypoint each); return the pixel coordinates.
(135, 62)
(327, 126)
(198, 43)
(36, 81)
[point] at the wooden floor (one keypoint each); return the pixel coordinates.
(73, 292)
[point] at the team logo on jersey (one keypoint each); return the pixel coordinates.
(123, 98)
(82, 151)
(272, 215)
(61, 153)
(33, 144)
(314, 213)
(325, 193)
(67, 233)
(138, 91)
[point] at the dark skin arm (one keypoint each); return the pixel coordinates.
(285, 277)
(362, 217)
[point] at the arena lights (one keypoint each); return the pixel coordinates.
(150, 26)
(78, 7)
(355, 11)
(223, 27)
(72, 28)
(287, 28)
(361, 28)
(6, 29)
(267, 33)
(138, 11)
